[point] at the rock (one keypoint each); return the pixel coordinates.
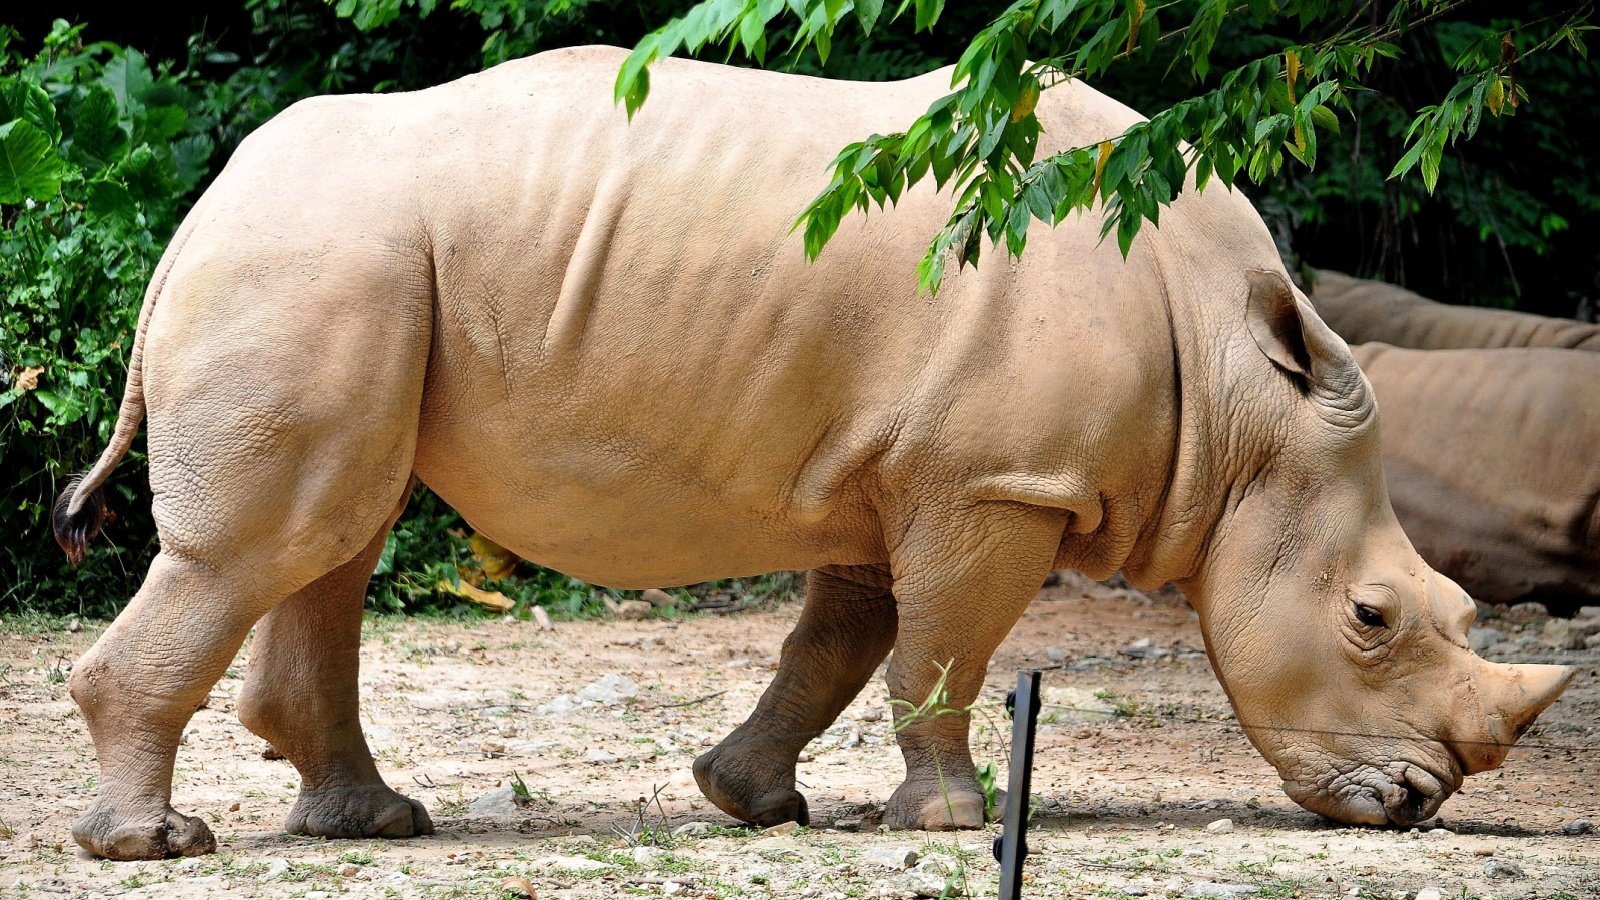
(1439, 833)
(1560, 634)
(349, 870)
(1529, 610)
(669, 888)
(1218, 889)
(648, 856)
(1430, 893)
(871, 714)
(1482, 639)
(599, 757)
(782, 828)
(692, 829)
(897, 858)
(1144, 648)
(1135, 890)
(559, 705)
(492, 749)
(73, 625)
(1057, 655)
(573, 864)
(1578, 827)
(1499, 868)
(634, 610)
(1220, 826)
(542, 619)
(658, 597)
(847, 824)
(928, 884)
(275, 869)
(609, 690)
(1587, 625)
(496, 803)
(1592, 641)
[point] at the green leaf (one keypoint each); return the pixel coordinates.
(128, 78)
(110, 199)
(867, 12)
(27, 101)
(29, 166)
(98, 139)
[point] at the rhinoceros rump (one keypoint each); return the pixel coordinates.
(601, 343)
(1361, 310)
(1492, 458)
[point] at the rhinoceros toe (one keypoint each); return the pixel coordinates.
(729, 780)
(358, 811)
(919, 806)
(110, 833)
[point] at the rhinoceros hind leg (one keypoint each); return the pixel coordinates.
(138, 686)
(962, 582)
(301, 694)
(845, 630)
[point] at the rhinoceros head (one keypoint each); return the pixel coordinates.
(1344, 654)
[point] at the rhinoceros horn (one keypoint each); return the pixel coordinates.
(1512, 697)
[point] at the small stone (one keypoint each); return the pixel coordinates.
(692, 829)
(658, 597)
(669, 888)
(1057, 655)
(502, 802)
(73, 625)
(648, 856)
(1430, 893)
(1219, 890)
(897, 858)
(492, 750)
(234, 806)
(573, 864)
(559, 705)
(1439, 833)
(275, 869)
(1578, 827)
(847, 824)
(1482, 639)
(871, 714)
(1592, 641)
(599, 757)
(609, 689)
(634, 610)
(1220, 826)
(782, 828)
(519, 886)
(349, 870)
(804, 757)
(1135, 890)
(542, 619)
(1499, 868)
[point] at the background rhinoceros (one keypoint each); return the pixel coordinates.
(601, 343)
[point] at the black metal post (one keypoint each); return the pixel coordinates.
(1013, 842)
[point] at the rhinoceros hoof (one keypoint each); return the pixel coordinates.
(357, 811)
(930, 807)
(745, 798)
(110, 833)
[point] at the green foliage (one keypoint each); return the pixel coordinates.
(981, 139)
(99, 150)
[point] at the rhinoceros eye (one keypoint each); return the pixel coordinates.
(1369, 616)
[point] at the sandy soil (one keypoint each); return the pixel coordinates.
(1128, 787)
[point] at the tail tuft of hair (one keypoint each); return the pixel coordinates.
(75, 528)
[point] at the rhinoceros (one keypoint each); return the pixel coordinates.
(601, 343)
(1361, 310)
(1492, 459)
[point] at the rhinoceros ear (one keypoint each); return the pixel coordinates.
(1291, 335)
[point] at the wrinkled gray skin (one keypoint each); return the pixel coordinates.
(600, 342)
(1492, 459)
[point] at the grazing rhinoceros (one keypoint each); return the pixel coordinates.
(1360, 310)
(1493, 463)
(602, 344)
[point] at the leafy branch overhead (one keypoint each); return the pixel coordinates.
(981, 140)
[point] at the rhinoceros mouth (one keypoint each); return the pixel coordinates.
(1401, 793)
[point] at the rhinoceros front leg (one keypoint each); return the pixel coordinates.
(138, 686)
(844, 632)
(962, 581)
(301, 694)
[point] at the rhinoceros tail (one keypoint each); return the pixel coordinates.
(81, 509)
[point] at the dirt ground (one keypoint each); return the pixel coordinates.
(1137, 757)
